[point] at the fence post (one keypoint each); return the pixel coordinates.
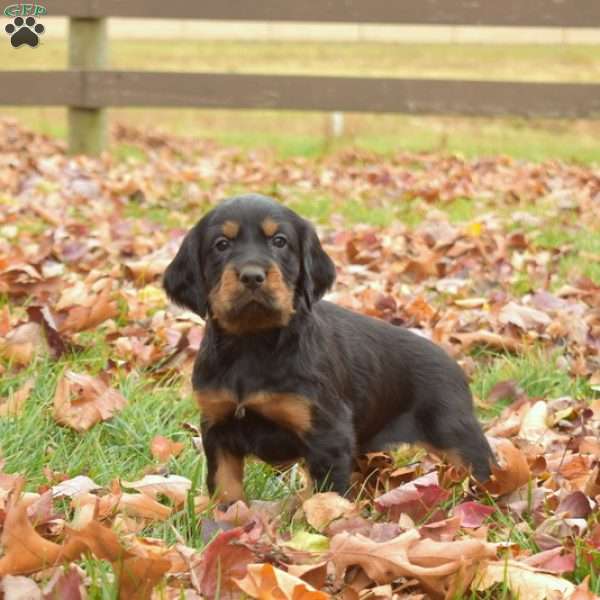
(87, 51)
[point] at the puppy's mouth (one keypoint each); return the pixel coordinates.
(252, 302)
(240, 310)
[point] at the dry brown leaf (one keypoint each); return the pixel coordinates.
(88, 505)
(524, 317)
(13, 405)
(138, 576)
(162, 448)
(524, 581)
(266, 582)
(488, 338)
(174, 487)
(71, 487)
(142, 505)
(512, 470)
(534, 425)
(25, 551)
(322, 509)
(314, 574)
(407, 555)
(81, 401)
(93, 311)
(582, 591)
(19, 588)
(24, 343)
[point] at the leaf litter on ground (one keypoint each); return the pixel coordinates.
(83, 244)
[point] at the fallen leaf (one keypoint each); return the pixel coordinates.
(224, 561)
(555, 560)
(582, 591)
(65, 585)
(13, 406)
(144, 506)
(266, 582)
(416, 498)
(138, 576)
(313, 574)
(469, 341)
(522, 580)
(174, 487)
(575, 505)
(321, 509)
(472, 514)
(534, 425)
(24, 343)
(524, 317)
(407, 555)
(25, 551)
(74, 486)
(19, 588)
(81, 401)
(93, 310)
(162, 448)
(512, 470)
(309, 542)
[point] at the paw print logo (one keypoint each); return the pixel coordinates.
(24, 32)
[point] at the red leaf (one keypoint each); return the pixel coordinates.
(416, 498)
(472, 514)
(223, 560)
(553, 561)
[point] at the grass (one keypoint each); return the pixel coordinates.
(536, 372)
(534, 62)
(307, 134)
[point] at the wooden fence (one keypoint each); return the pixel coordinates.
(87, 88)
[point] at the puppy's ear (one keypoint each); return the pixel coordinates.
(183, 280)
(318, 270)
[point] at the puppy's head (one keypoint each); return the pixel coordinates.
(250, 263)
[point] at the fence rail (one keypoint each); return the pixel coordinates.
(517, 13)
(91, 90)
(87, 88)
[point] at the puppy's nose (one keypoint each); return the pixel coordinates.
(252, 276)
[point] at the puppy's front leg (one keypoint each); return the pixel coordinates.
(225, 470)
(329, 458)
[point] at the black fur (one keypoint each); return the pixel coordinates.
(370, 384)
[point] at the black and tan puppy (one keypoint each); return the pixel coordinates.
(283, 375)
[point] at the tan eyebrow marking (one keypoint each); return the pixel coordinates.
(230, 229)
(269, 227)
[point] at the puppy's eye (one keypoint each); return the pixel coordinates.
(279, 241)
(222, 244)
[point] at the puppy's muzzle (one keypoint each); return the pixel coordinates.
(252, 276)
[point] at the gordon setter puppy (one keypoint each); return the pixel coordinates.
(283, 375)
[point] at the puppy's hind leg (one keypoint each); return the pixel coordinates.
(400, 430)
(458, 435)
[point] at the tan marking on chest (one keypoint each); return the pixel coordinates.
(291, 411)
(230, 229)
(269, 227)
(216, 405)
(229, 477)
